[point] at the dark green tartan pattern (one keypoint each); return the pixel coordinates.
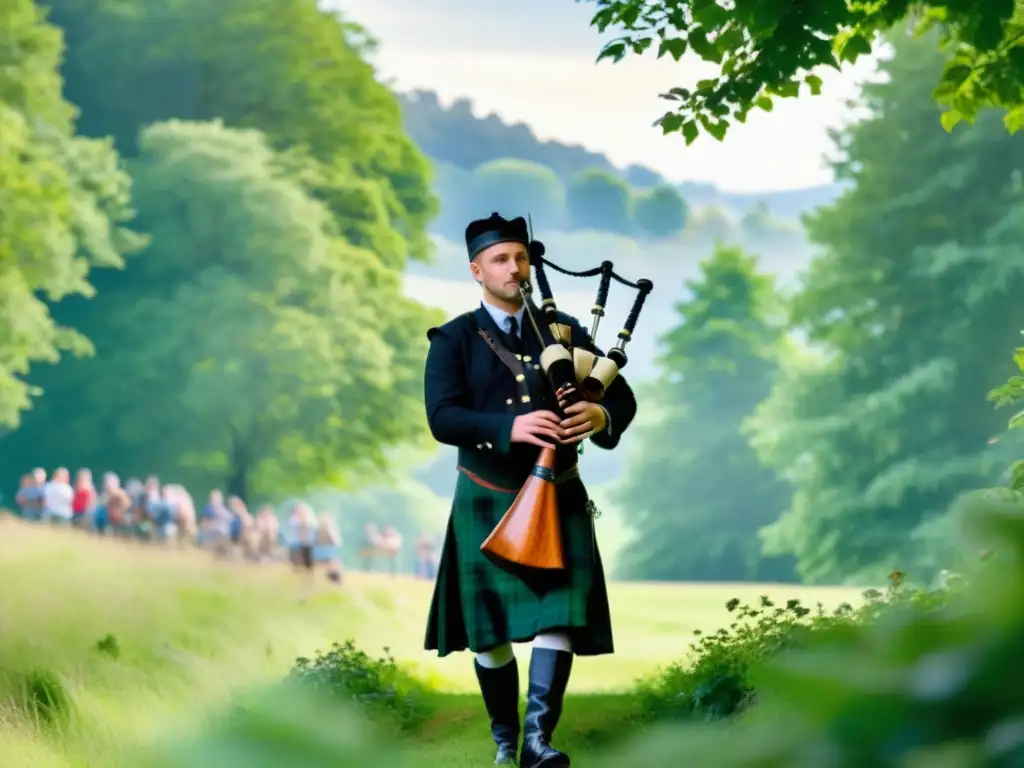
(478, 605)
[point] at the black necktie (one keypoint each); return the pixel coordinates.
(513, 334)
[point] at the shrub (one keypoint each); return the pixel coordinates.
(377, 686)
(717, 680)
(933, 686)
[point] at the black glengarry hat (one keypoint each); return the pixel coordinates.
(484, 233)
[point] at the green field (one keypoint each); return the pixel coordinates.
(192, 633)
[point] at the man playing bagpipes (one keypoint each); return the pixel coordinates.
(520, 561)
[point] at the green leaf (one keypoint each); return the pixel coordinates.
(788, 90)
(1017, 420)
(1014, 120)
(690, 132)
(615, 51)
(765, 103)
(671, 122)
(673, 46)
(950, 119)
(629, 15)
(957, 74)
(712, 16)
(703, 47)
(718, 129)
(814, 82)
(640, 45)
(603, 19)
(852, 47)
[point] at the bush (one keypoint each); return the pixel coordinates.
(718, 680)
(377, 686)
(927, 679)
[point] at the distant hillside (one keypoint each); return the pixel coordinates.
(455, 136)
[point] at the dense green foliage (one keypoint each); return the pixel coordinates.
(377, 686)
(719, 678)
(773, 50)
(288, 69)
(660, 211)
(593, 200)
(598, 200)
(63, 204)
(517, 187)
(907, 309)
(261, 340)
(696, 509)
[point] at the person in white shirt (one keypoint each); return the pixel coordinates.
(58, 496)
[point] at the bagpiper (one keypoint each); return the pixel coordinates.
(487, 394)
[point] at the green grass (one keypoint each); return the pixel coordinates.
(192, 633)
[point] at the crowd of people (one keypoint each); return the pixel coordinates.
(148, 511)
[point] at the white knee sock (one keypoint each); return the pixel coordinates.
(496, 657)
(554, 641)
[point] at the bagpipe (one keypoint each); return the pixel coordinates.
(529, 534)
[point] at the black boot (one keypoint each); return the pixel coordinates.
(500, 689)
(549, 676)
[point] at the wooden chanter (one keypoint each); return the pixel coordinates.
(529, 535)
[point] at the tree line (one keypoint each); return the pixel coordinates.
(592, 199)
(207, 226)
(832, 433)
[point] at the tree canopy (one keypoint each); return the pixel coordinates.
(297, 73)
(63, 201)
(598, 200)
(908, 313)
(695, 490)
(516, 187)
(768, 50)
(660, 211)
(262, 339)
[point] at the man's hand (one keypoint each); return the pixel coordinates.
(534, 427)
(582, 420)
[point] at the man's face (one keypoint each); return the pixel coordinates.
(500, 269)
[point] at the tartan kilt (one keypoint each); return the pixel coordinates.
(479, 606)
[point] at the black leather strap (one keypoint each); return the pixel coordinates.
(512, 362)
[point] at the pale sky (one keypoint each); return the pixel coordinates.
(534, 61)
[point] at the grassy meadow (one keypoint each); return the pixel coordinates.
(192, 633)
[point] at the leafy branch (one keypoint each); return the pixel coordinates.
(766, 50)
